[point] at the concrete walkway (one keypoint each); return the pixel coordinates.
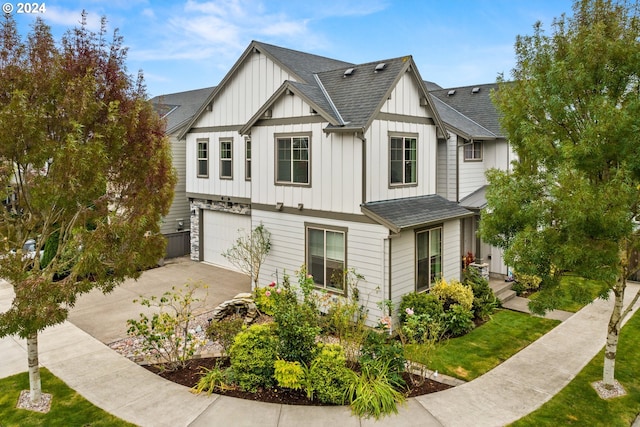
(505, 394)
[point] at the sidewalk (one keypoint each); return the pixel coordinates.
(503, 395)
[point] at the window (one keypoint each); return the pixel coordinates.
(203, 157)
(404, 163)
(429, 258)
(473, 151)
(326, 257)
(226, 159)
(292, 160)
(247, 163)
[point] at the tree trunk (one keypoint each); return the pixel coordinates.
(613, 333)
(35, 386)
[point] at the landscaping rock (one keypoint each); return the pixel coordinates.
(242, 304)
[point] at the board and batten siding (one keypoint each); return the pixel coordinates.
(446, 168)
(238, 186)
(180, 207)
(365, 252)
(335, 163)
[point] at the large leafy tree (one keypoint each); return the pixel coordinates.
(571, 202)
(87, 173)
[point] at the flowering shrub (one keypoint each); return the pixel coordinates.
(452, 293)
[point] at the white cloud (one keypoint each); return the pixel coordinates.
(71, 18)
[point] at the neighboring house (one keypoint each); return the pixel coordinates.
(476, 144)
(337, 160)
(177, 109)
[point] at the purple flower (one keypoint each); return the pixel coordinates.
(409, 311)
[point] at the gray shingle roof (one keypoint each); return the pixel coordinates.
(359, 95)
(460, 123)
(476, 200)
(476, 106)
(302, 64)
(178, 108)
(401, 214)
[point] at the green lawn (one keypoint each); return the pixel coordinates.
(68, 408)
(578, 403)
(487, 346)
(574, 293)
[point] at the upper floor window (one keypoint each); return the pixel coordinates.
(292, 164)
(247, 165)
(226, 159)
(473, 151)
(403, 160)
(203, 157)
(326, 252)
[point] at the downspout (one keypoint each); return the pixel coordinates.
(364, 169)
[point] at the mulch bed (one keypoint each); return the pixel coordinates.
(190, 375)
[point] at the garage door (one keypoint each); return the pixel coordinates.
(220, 232)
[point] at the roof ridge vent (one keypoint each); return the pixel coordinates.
(475, 90)
(381, 66)
(348, 72)
(451, 92)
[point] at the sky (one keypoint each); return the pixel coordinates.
(185, 45)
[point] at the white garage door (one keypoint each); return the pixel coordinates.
(220, 232)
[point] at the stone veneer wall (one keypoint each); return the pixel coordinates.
(197, 206)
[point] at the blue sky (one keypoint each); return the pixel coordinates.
(184, 45)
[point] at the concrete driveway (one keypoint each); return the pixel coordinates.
(105, 316)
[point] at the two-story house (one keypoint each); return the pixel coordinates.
(476, 144)
(337, 160)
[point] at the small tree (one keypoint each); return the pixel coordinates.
(89, 174)
(250, 251)
(572, 201)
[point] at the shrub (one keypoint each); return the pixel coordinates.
(211, 380)
(529, 282)
(453, 293)
(297, 328)
(422, 328)
(372, 393)
(458, 320)
(167, 335)
(253, 355)
(420, 304)
(328, 376)
(224, 332)
(379, 349)
(264, 303)
(289, 374)
(484, 301)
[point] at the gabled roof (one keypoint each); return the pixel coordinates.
(461, 124)
(411, 212)
(311, 94)
(178, 108)
(475, 103)
(300, 64)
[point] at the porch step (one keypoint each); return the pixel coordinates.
(502, 290)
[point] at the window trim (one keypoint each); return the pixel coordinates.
(421, 231)
(307, 253)
(202, 159)
(247, 158)
(290, 136)
(229, 159)
(404, 136)
(472, 145)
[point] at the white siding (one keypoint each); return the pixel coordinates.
(451, 250)
(403, 266)
(335, 164)
(365, 252)
(180, 206)
(405, 98)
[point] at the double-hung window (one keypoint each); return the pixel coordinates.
(203, 157)
(292, 160)
(403, 157)
(226, 159)
(247, 161)
(473, 151)
(428, 258)
(326, 253)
